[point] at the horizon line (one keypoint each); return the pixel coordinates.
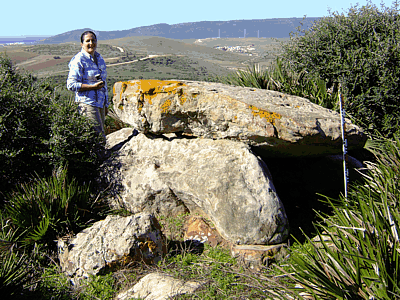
(47, 35)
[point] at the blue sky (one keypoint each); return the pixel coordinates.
(45, 17)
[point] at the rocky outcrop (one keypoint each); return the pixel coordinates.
(157, 286)
(275, 123)
(111, 242)
(221, 179)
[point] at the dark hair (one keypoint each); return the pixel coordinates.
(87, 32)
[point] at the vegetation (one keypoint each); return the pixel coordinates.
(360, 50)
(70, 49)
(43, 143)
(40, 131)
(49, 155)
(15, 268)
(281, 78)
(356, 253)
(24, 119)
(46, 209)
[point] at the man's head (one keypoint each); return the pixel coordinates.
(89, 42)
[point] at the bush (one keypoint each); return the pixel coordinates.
(73, 142)
(15, 268)
(357, 253)
(41, 131)
(281, 78)
(361, 50)
(24, 125)
(46, 209)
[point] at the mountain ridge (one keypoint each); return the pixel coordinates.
(266, 28)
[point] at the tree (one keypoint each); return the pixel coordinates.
(360, 50)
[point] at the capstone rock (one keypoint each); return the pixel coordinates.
(277, 124)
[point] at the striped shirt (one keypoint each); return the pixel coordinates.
(82, 69)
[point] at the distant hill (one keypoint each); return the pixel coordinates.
(278, 28)
(22, 39)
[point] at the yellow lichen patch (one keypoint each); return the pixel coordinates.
(140, 103)
(150, 88)
(270, 117)
(181, 96)
(182, 99)
(124, 86)
(166, 105)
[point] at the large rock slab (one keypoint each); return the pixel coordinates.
(276, 123)
(221, 179)
(111, 242)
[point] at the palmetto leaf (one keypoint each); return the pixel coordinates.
(359, 256)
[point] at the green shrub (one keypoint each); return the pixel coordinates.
(24, 130)
(100, 287)
(41, 131)
(73, 142)
(45, 209)
(357, 255)
(14, 273)
(361, 50)
(281, 78)
(54, 284)
(15, 265)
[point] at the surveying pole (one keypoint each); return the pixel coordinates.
(344, 139)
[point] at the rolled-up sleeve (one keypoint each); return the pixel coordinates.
(74, 81)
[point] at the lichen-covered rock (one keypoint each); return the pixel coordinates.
(114, 241)
(199, 231)
(276, 123)
(157, 286)
(221, 179)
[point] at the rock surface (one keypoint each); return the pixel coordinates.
(114, 241)
(198, 230)
(221, 179)
(157, 286)
(276, 123)
(256, 256)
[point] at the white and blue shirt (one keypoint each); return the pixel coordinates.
(83, 69)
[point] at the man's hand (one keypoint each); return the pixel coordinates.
(106, 110)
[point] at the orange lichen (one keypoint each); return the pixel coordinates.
(270, 117)
(166, 105)
(181, 96)
(140, 103)
(124, 86)
(149, 89)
